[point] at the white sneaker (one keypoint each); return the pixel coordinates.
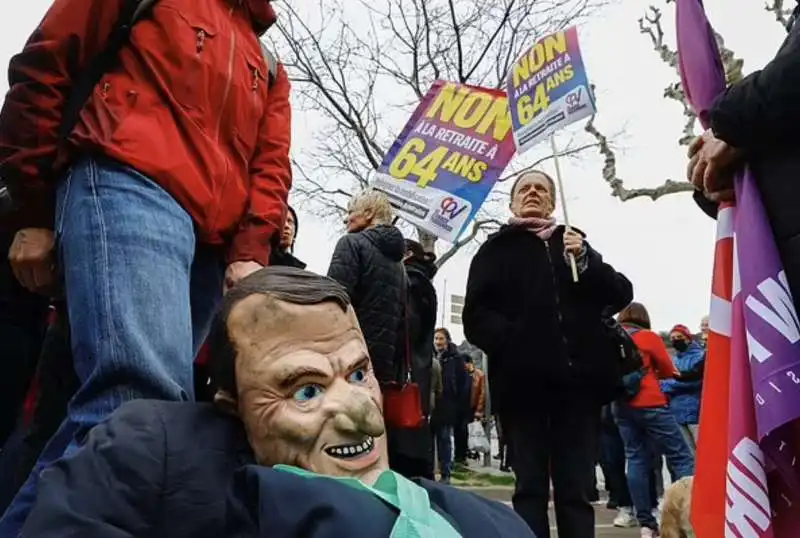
(625, 518)
(648, 533)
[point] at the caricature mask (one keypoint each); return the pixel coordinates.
(307, 393)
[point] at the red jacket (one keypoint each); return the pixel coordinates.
(188, 106)
(659, 364)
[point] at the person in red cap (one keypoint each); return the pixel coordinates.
(684, 392)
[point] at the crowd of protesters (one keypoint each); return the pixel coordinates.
(155, 212)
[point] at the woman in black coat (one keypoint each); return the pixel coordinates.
(550, 363)
(368, 262)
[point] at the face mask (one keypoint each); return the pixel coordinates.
(680, 345)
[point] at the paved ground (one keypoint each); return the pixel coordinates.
(604, 517)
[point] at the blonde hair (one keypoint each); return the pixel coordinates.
(375, 201)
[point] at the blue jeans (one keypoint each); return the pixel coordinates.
(642, 431)
(613, 462)
(444, 450)
(140, 296)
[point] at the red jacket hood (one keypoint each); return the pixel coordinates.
(261, 13)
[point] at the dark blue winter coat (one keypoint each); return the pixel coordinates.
(684, 396)
(453, 405)
(172, 470)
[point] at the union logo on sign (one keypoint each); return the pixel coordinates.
(450, 208)
(574, 101)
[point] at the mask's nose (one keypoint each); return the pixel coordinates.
(355, 412)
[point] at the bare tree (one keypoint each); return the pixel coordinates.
(650, 25)
(363, 71)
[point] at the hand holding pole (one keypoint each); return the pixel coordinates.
(572, 263)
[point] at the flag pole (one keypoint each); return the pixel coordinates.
(560, 184)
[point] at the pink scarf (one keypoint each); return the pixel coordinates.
(544, 228)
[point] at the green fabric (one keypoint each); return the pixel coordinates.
(416, 518)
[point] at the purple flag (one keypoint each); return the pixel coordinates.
(765, 340)
(773, 331)
(702, 73)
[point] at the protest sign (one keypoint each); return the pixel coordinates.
(548, 89)
(448, 157)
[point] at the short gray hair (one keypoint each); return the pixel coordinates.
(377, 202)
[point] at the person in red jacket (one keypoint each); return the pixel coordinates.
(170, 186)
(645, 422)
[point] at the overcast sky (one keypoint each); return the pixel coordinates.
(665, 248)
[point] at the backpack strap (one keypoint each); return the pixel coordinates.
(83, 86)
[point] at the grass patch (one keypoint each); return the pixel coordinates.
(466, 477)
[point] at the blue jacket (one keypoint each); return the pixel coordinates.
(684, 396)
(184, 470)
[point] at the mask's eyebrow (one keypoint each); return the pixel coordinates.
(290, 378)
(362, 362)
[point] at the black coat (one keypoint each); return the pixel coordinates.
(541, 331)
(407, 444)
(453, 405)
(369, 265)
(422, 323)
(761, 115)
(284, 258)
(169, 470)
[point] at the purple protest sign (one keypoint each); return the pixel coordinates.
(451, 152)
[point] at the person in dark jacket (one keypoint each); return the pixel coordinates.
(23, 317)
(755, 122)
(552, 363)
(55, 384)
(368, 263)
(411, 450)
(292, 446)
(455, 395)
(283, 252)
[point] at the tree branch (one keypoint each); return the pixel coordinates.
(459, 46)
(477, 226)
(361, 79)
(781, 14)
(563, 153)
(616, 184)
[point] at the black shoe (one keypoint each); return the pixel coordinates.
(611, 505)
(505, 468)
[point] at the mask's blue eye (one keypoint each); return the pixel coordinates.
(308, 392)
(358, 376)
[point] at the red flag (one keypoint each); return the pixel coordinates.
(708, 491)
